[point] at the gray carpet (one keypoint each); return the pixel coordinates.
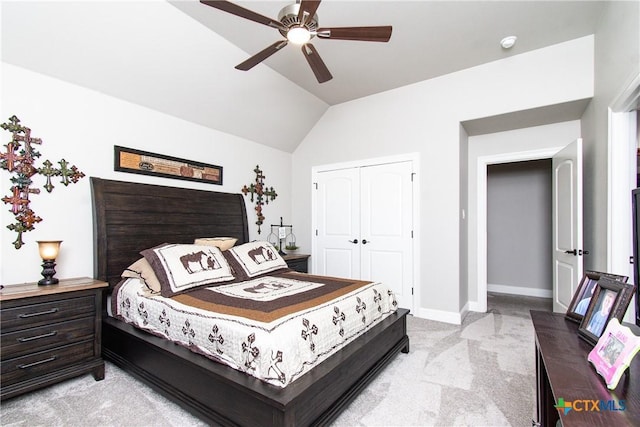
(481, 373)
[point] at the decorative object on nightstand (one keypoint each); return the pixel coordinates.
(49, 334)
(282, 233)
(19, 159)
(262, 194)
(48, 252)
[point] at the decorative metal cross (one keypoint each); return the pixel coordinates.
(262, 194)
(19, 159)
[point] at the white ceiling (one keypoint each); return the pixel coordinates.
(429, 39)
(178, 57)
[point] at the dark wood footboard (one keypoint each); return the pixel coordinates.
(221, 395)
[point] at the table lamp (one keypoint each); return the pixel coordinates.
(48, 252)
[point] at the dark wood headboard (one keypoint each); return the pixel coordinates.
(130, 217)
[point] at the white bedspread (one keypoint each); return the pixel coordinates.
(277, 351)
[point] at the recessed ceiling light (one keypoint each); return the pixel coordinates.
(508, 42)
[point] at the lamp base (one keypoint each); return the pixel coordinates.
(48, 271)
(48, 281)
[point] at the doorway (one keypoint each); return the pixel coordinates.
(483, 163)
(519, 224)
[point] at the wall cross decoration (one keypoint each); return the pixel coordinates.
(19, 159)
(262, 194)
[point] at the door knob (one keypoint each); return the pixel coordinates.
(581, 252)
(574, 252)
(364, 241)
(354, 241)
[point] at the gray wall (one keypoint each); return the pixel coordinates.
(617, 60)
(519, 226)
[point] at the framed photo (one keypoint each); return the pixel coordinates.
(602, 308)
(580, 302)
(613, 353)
(146, 163)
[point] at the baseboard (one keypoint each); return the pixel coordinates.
(440, 316)
(518, 290)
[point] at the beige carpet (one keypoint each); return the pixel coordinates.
(481, 373)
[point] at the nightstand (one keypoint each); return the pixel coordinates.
(297, 262)
(49, 334)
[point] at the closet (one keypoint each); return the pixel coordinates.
(363, 220)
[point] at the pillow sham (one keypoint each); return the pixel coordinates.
(223, 243)
(142, 270)
(181, 267)
(253, 259)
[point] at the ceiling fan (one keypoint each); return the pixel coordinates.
(298, 24)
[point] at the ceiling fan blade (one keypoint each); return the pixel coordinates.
(366, 34)
(308, 6)
(234, 9)
(315, 62)
(261, 56)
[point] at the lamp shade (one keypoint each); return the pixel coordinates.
(49, 249)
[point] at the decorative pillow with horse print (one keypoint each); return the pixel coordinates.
(253, 259)
(180, 267)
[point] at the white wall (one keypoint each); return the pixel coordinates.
(82, 126)
(425, 118)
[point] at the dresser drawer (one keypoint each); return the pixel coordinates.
(32, 315)
(43, 362)
(32, 340)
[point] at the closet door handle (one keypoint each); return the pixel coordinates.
(365, 241)
(354, 241)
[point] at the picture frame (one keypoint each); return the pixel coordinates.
(581, 298)
(613, 352)
(604, 306)
(146, 163)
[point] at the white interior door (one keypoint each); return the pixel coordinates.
(364, 225)
(567, 224)
(386, 227)
(337, 242)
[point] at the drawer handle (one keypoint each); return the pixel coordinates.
(40, 362)
(37, 337)
(40, 313)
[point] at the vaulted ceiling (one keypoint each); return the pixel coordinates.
(178, 57)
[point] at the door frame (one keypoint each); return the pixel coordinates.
(481, 210)
(622, 143)
(412, 157)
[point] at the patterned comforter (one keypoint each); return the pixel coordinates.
(274, 328)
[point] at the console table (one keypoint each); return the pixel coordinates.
(563, 371)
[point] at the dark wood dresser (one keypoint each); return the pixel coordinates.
(49, 334)
(563, 372)
(297, 262)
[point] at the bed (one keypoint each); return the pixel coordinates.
(131, 217)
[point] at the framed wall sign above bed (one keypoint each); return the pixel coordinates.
(146, 163)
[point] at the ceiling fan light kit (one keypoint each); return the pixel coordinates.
(298, 24)
(298, 35)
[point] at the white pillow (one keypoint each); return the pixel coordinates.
(183, 267)
(254, 258)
